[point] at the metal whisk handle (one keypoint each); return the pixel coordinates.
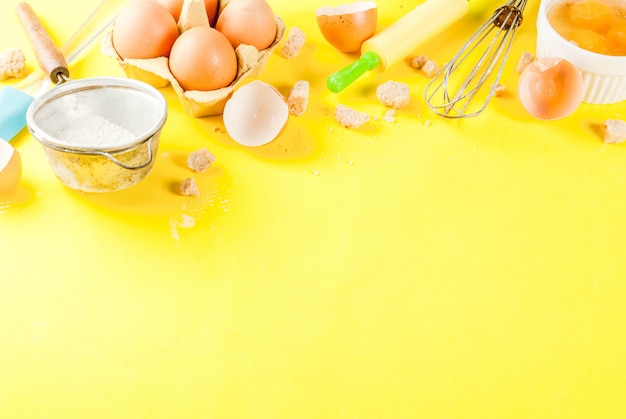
(508, 16)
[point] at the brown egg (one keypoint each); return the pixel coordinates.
(202, 58)
(550, 88)
(347, 26)
(175, 7)
(144, 29)
(250, 22)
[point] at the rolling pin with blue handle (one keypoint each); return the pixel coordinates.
(396, 42)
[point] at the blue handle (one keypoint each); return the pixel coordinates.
(13, 106)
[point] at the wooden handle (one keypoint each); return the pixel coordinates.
(49, 57)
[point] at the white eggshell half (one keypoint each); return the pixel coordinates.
(255, 114)
(10, 167)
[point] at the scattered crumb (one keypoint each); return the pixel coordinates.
(393, 94)
(390, 115)
(295, 40)
(525, 59)
(187, 221)
(298, 100)
(430, 69)
(419, 61)
(174, 229)
(200, 160)
(188, 187)
(614, 131)
(428, 123)
(499, 90)
(12, 64)
(349, 117)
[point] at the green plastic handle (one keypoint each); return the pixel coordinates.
(343, 78)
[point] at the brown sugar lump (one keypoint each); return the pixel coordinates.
(430, 69)
(393, 94)
(499, 90)
(418, 61)
(525, 59)
(294, 42)
(12, 64)
(298, 99)
(189, 187)
(200, 160)
(390, 115)
(350, 118)
(614, 131)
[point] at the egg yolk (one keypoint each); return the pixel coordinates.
(548, 86)
(589, 40)
(594, 25)
(593, 15)
(616, 37)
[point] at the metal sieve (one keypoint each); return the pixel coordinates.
(96, 157)
(113, 162)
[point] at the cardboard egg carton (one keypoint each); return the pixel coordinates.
(196, 103)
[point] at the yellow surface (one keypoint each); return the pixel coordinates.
(466, 269)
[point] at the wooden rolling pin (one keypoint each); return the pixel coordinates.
(49, 57)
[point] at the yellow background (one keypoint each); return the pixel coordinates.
(468, 269)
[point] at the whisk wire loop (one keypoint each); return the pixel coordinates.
(454, 96)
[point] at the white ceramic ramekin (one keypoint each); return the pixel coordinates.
(604, 76)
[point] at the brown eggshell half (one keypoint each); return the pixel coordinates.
(347, 26)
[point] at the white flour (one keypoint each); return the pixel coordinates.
(94, 130)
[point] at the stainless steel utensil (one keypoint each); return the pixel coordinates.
(95, 158)
(455, 92)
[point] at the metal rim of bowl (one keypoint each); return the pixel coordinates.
(98, 83)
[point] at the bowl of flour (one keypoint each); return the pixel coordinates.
(100, 134)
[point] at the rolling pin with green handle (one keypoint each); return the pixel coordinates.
(396, 42)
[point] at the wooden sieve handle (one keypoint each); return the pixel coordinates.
(49, 57)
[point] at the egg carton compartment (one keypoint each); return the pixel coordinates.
(155, 71)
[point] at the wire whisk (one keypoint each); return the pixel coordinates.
(454, 95)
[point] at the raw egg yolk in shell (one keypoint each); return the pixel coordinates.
(550, 88)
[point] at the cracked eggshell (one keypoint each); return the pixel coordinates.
(347, 26)
(196, 103)
(255, 114)
(10, 167)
